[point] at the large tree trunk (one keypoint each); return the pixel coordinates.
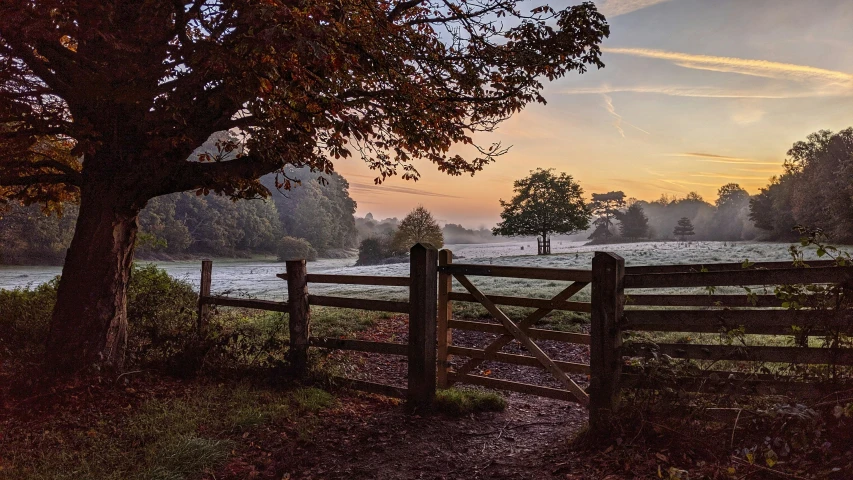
(89, 324)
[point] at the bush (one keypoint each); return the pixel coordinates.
(161, 315)
(25, 314)
(370, 252)
(292, 248)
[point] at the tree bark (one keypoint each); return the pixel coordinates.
(89, 323)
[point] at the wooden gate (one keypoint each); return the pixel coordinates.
(509, 330)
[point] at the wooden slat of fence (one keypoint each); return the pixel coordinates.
(741, 277)
(567, 367)
(701, 301)
(514, 386)
(763, 322)
(843, 356)
(355, 279)
(244, 303)
(715, 267)
(534, 333)
(522, 338)
(371, 387)
(525, 302)
(535, 273)
(359, 303)
(359, 345)
(524, 325)
(736, 386)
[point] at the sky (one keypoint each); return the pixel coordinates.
(695, 94)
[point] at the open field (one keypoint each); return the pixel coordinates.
(256, 278)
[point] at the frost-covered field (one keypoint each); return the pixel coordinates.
(257, 278)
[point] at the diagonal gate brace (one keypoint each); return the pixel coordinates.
(518, 333)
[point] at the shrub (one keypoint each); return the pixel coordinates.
(292, 248)
(25, 314)
(370, 252)
(161, 315)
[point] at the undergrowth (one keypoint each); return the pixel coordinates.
(459, 402)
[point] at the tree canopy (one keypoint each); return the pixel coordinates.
(683, 229)
(606, 206)
(108, 99)
(418, 226)
(634, 223)
(543, 204)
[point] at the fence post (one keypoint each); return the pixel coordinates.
(423, 299)
(299, 315)
(445, 312)
(204, 291)
(608, 272)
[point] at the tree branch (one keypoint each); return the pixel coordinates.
(26, 181)
(217, 175)
(402, 7)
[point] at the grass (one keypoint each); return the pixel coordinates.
(184, 436)
(459, 401)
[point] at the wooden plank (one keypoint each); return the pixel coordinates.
(423, 298)
(445, 313)
(370, 387)
(355, 279)
(785, 276)
(814, 356)
(763, 322)
(715, 267)
(522, 338)
(204, 292)
(299, 321)
(499, 384)
(723, 385)
(524, 325)
(702, 301)
(534, 333)
(359, 303)
(246, 303)
(608, 271)
(359, 345)
(535, 273)
(526, 302)
(568, 367)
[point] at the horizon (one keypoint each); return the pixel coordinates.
(695, 94)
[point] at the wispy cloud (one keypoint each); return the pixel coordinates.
(617, 119)
(743, 66)
(382, 189)
(614, 8)
(710, 157)
(727, 177)
(685, 91)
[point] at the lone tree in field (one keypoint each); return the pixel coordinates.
(683, 229)
(606, 206)
(418, 227)
(544, 204)
(107, 101)
(634, 223)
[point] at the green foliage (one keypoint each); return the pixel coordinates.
(816, 189)
(544, 204)
(25, 313)
(29, 237)
(372, 251)
(290, 248)
(634, 223)
(418, 226)
(458, 402)
(683, 229)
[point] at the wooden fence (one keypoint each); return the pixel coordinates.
(612, 313)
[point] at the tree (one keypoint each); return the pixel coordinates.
(683, 229)
(732, 209)
(607, 206)
(418, 227)
(108, 99)
(544, 204)
(634, 223)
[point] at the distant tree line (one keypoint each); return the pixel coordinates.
(186, 224)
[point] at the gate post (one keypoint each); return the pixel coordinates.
(608, 272)
(423, 299)
(299, 315)
(203, 292)
(445, 312)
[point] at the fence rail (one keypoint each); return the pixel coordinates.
(612, 312)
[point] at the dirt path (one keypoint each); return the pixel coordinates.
(373, 438)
